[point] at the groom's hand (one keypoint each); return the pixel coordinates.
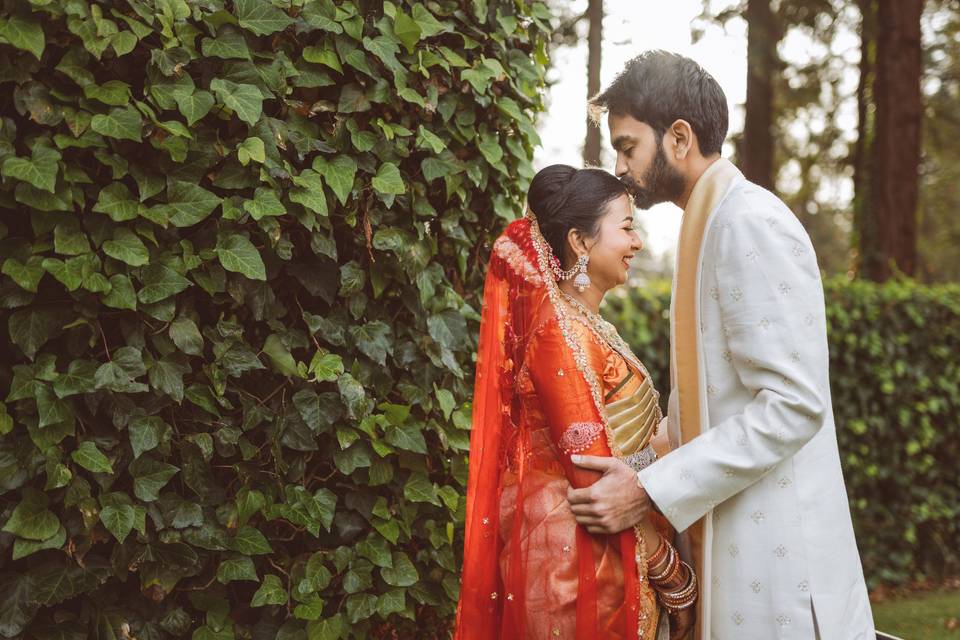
(614, 502)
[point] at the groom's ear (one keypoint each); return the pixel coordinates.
(683, 139)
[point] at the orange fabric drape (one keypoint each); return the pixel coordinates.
(529, 570)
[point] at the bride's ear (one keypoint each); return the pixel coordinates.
(576, 244)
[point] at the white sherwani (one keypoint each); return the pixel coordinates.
(764, 471)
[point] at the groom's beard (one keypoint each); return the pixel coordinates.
(664, 183)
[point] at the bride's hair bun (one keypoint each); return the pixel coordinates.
(564, 197)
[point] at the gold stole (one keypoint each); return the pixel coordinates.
(685, 374)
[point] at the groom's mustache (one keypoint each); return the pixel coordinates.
(642, 197)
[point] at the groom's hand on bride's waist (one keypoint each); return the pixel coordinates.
(614, 502)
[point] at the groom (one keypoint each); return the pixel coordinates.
(755, 485)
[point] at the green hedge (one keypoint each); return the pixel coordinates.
(241, 247)
(895, 380)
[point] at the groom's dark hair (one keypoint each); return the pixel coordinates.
(659, 88)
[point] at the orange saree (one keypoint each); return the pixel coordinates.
(544, 380)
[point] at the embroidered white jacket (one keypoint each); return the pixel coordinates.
(766, 470)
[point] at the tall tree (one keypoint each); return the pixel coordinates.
(888, 234)
(592, 143)
(756, 152)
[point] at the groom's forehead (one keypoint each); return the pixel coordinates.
(625, 129)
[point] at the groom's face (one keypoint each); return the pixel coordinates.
(642, 165)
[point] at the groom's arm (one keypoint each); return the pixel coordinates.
(772, 309)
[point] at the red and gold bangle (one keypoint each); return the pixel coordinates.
(672, 563)
(658, 555)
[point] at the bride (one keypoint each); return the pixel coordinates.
(553, 379)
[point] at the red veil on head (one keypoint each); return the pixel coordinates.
(503, 565)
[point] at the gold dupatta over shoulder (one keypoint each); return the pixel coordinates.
(689, 405)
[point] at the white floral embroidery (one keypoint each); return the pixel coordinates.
(579, 436)
(784, 288)
(737, 618)
(757, 517)
(756, 586)
(737, 294)
(781, 551)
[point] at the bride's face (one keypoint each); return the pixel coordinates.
(614, 246)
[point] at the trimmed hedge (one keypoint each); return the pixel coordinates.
(241, 247)
(895, 380)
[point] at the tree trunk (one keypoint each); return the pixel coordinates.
(762, 65)
(863, 224)
(591, 146)
(891, 243)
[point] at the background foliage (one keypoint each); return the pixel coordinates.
(241, 247)
(895, 382)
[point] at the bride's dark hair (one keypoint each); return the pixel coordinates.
(563, 198)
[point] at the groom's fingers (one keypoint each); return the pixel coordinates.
(597, 463)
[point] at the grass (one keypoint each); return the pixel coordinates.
(932, 615)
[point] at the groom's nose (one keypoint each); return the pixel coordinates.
(620, 169)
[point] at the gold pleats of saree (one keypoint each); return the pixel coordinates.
(634, 418)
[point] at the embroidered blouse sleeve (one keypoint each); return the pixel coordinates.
(565, 397)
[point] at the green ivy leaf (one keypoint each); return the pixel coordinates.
(237, 254)
(122, 123)
(228, 45)
(23, 548)
(31, 519)
(328, 629)
(112, 92)
(265, 203)
(338, 173)
(116, 201)
(40, 170)
(325, 367)
(250, 542)
(407, 30)
(260, 17)
(251, 149)
(186, 335)
(145, 433)
(271, 591)
(159, 283)
(388, 180)
(245, 99)
(122, 295)
(189, 203)
(30, 328)
(27, 276)
(24, 32)
(127, 247)
(402, 573)
(88, 456)
(236, 568)
(150, 476)
(194, 106)
(119, 519)
(280, 355)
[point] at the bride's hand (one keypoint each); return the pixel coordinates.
(681, 623)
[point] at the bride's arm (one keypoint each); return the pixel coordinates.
(569, 404)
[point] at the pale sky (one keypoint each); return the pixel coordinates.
(630, 27)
